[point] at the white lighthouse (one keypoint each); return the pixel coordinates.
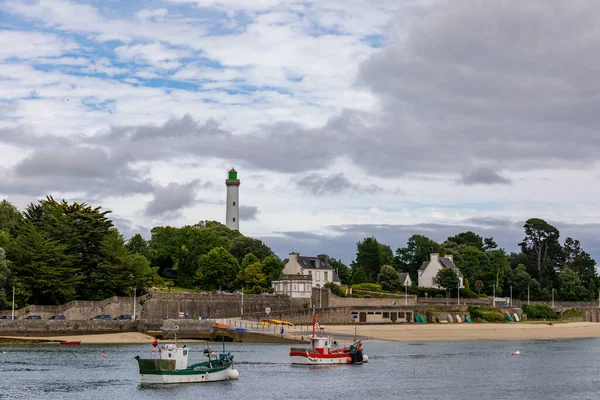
(233, 200)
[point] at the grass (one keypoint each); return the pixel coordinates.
(177, 289)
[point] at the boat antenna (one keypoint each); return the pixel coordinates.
(223, 339)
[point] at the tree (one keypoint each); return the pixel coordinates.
(447, 279)
(418, 248)
(389, 279)
(342, 270)
(571, 288)
(520, 280)
(468, 239)
(580, 262)
(10, 218)
(358, 275)
(219, 269)
(272, 266)
(371, 255)
(253, 279)
(249, 259)
(478, 286)
(81, 229)
(473, 262)
(540, 244)
(169, 285)
(4, 272)
(137, 244)
(43, 268)
(242, 245)
(489, 244)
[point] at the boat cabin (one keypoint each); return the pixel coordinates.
(175, 353)
(321, 343)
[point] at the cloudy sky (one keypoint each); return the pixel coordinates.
(344, 119)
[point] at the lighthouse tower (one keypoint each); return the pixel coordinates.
(233, 200)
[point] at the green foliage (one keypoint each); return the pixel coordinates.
(418, 248)
(10, 218)
(447, 278)
(272, 266)
(468, 238)
(373, 287)
(252, 279)
(249, 259)
(478, 286)
(539, 311)
(335, 289)
(42, 267)
(541, 247)
(169, 285)
(466, 283)
(344, 273)
(219, 269)
(241, 245)
(137, 244)
(371, 255)
(4, 272)
(486, 314)
(468, 294)
(358, 275)
(389, 279)
(571, 288)
(572, 313)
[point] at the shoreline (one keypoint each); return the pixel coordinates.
(393, 333)
(466, 332)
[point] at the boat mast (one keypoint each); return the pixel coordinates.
(314, 321)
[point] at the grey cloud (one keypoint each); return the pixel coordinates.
(22, 137)
(171, 198)
(485, 176)
(248, 213)
(322, 185)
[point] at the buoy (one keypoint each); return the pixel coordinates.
(348, 360)
(154, 350)
(103, 355)
(233, 374)
(517, 352)
(513, 353)
(365, 358)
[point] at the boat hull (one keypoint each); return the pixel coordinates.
(183, 377)
(318, 360)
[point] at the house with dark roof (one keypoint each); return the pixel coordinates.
(405, 279)
(431, 267)
(318, 267)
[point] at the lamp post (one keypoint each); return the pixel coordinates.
(527, 294)
(13, 304)
(242, 308)
(134, 290)
(405, 293)
(552, 297)
(458, 291)
(494, 295)
(511, 295)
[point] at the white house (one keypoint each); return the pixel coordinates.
(317, 268)
(301, 273)
(295, 286)
(430, 268)
(405, 279)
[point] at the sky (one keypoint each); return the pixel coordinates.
(344, 119)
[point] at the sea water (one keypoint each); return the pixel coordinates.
(549, 369)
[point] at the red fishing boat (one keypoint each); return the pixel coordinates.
(324, 351)
(73, 342)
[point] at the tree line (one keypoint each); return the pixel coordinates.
(54, 252)
(542, 265)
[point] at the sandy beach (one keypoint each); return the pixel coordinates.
(437, 332)
(399, 333)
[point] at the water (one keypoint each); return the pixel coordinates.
(558, 369)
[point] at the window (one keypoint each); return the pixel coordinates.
(307, 288)
(325, 276)
(234, 203)
(233, 219)
(310, 272)
(295, 288)
(386, 315)
(317, 276)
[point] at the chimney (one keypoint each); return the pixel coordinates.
(450, 257)
(323, 256)
(294, 256)
(434, 257)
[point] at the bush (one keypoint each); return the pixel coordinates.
(572, 314)
(468, 293)
(487, 314)
(439, 296)
(335, 289)
(372, 287)
(539, 311)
